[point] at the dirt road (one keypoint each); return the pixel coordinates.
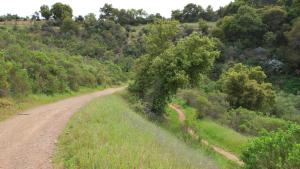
(27, 141)
(228, 155)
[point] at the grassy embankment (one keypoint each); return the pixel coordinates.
(108, 134)
(209, 130)
(33, 100)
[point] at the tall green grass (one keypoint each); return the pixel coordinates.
(209, 130)
(108, 134)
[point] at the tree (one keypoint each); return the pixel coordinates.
(274, 150)
(209, 14)
(274, 18)
(35, 16)
(108, 12)
(245, 27)
(260, 3)
(61, 11)
(79, 19)
(246, 88)
(45, 12)
(192, 12)
(160, 36)
(293, 53)
(177, 15)
(160, 74)
(90, 22)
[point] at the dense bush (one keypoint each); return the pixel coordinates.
(251, 122)
(30, 66)
(245, 87)
(246, 27)
(211, 104)
(287, 106)
(274, 150)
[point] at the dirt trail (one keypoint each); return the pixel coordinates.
(228, 155)
(28, 139)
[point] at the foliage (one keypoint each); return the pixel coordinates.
(45, 12)
(245, 87)
(287, 106)
(250, 122)
(203, 26)
(293, 54)
(61, 11)
(127, 16)
(162, 72)
(211, 104)
(274, 18)
(245, 27)
(192, 13)
(68, 25)
(30, 66)
(276, 150)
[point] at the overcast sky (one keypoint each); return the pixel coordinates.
(83, 7)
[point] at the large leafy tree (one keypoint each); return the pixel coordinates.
(45, 12)
(274, 18)
(246, 88)
(246, 27)
(191, 12)
(161, 74)
(61, 11)
(107, 12)
(177, 15)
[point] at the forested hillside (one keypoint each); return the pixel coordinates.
(235, 68)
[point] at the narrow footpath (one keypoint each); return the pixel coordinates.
(226, 154)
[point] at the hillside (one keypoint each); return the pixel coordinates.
(231, 74)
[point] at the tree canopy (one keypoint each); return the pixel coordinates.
(161, 73)
(246, 88)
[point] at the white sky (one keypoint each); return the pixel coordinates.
(83, 7)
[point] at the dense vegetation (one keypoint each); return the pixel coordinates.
(238, 66)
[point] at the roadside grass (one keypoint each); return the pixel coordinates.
(108, 134)
(211, 131)
(33, 100)
(177, 128)
(221, 135)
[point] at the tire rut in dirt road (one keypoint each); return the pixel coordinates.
(27, 140)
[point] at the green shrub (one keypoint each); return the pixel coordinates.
(245, 87)
(33, 63)
(212, 104)
(4, 103)
(287, 106)
(274, 150)
(251, 122)
(19, 82)
(3, 77)
(3, 83)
